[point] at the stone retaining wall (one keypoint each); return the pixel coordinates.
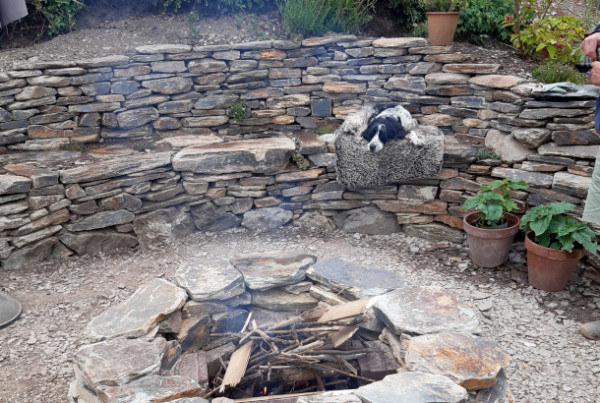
(215, 173)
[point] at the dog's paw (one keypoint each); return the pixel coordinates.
(415, 139)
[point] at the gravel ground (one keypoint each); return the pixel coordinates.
(550, 360)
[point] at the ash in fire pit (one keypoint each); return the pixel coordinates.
(286, 328)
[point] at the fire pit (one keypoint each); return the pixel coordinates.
(286, 328)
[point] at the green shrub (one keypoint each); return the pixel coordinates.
(484, 17)
(556, 38)
(444, 5)
(316, 17)
(59, 14)
(554, 72)
(237, 111)
(419, 30)
(301, 162)
(484, 154)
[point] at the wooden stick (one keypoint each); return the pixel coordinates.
(273, 398)
(394, 344)
(246, 323)
(238, 363)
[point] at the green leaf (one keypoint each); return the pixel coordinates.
(540, 226)
(560, 207)
(470, 203)
(567, 243)
(543, 240)
(494, 213)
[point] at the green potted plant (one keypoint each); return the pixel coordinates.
(555, 243)
(442, 19)
(491, 227)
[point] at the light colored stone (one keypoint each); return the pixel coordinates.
(96, 243)
(14, 184)
(279, 300)
(138, 314)
(496, 81)
(413, 387)
(265, 219)
(119, 361)
(152, 388)
(470, 361)
(532, 137)
(345, 277)
(424, 310)
(506, 147)
(367, 220)
(261, 155)
(576, 185)
(265, 271)
(210, 278)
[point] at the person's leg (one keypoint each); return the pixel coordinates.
(591, 211)
(591, 214)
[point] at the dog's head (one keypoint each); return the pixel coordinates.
(380, 131)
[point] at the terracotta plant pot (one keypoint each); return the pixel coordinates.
(490, 247)
(549, 269)
(441, 27)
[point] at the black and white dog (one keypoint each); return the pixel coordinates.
(391, 124)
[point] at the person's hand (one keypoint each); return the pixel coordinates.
(589, 45)
(595, 73)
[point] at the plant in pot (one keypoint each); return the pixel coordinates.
(491, 228)
(442, 19)
(555, 242)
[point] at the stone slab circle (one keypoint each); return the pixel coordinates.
(125, 357)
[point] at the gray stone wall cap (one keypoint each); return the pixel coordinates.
(166, 48)
(254, 45)
(113, 60)
(211, 48)
(399, 42)
(325, 40)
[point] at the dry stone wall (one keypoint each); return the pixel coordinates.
(209, 172)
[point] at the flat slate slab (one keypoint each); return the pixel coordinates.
(265, 271)
(258, 155)
(470, 361)
(114, 167)
(279, 300)
(358, 281)
(14, 184)
(423, 310)
(119, 361)
(152, 388)
(413, 387)
(138, 314)
(210, 278)
(103, 219)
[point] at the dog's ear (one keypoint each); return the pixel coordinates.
(369, 132)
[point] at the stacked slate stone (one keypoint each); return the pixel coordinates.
(172, 340)
(33, 208)
(211, 172)
(179, 91)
